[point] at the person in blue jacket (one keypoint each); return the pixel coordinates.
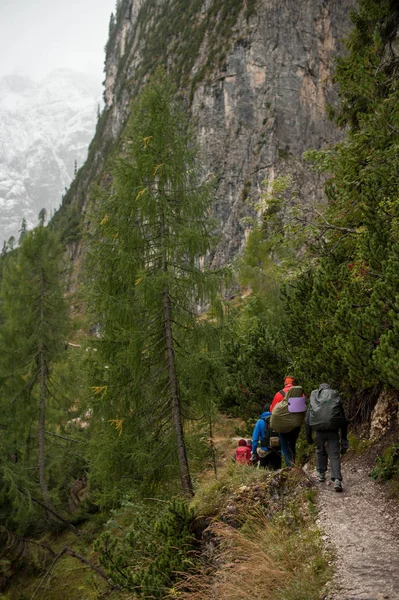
(269, 458)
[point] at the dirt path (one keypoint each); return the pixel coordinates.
(361, 528)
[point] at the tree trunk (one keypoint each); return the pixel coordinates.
(213, 451)
(185, 478)
(42, 406)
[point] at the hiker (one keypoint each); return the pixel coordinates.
(265, 443)
(289, 381)
(243, 453)
(326, 417)
(288, 413)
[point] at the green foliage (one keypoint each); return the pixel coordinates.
(213, 495)
(256, 359)
(146, 243)
(387, 465)
(339, 262)
(67, 222)
(255, 352)
(179, 29)
(358, 445)
(32, 341)
(367, 74)
(152, 551)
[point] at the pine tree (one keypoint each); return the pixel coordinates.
(147, 282)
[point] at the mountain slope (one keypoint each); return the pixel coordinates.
(256, 77)
(44, 128)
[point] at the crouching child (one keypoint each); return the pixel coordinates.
(243, 453)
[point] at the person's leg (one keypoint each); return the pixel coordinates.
(285, 449)
(273, 460)
(321, 454)
(292, 437)
(333, 452)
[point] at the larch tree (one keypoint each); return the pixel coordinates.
(32, 338)
(147, 279)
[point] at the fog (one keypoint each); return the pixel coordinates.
(37, 36)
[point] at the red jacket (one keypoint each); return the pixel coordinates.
(279, 396)
(243, 455)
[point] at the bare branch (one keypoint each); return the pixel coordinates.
(331, 226)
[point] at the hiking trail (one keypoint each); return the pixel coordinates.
(361, 528)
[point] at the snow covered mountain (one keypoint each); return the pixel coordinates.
(44, 128)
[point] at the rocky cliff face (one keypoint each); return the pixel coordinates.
(256, 75)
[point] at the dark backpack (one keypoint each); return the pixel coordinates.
(271, 439)
(325, 410)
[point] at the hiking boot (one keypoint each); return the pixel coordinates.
(337, 485)
(321, 476)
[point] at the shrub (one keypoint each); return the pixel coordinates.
(387, 465)
(148, 555)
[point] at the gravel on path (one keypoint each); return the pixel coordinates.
(361, 529)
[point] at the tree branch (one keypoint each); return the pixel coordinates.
(331, 226)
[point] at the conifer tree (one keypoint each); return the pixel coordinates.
(23, 230)
(32, 338)
(11, 243)
(146, 275)
(347, 309)
(339, 260)
(42, 216)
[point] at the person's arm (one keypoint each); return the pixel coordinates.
(255, 437)
(277, 398)
(308, 429)
(344, 425)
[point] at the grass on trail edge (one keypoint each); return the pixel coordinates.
(259, 557)
(268, 548)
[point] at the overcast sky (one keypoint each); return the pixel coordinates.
(41, 35)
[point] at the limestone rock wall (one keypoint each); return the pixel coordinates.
(257, 110)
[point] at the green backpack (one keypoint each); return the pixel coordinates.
(284, 421)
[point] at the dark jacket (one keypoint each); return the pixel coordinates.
(343, 422)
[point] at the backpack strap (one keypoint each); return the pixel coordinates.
(283, 393)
